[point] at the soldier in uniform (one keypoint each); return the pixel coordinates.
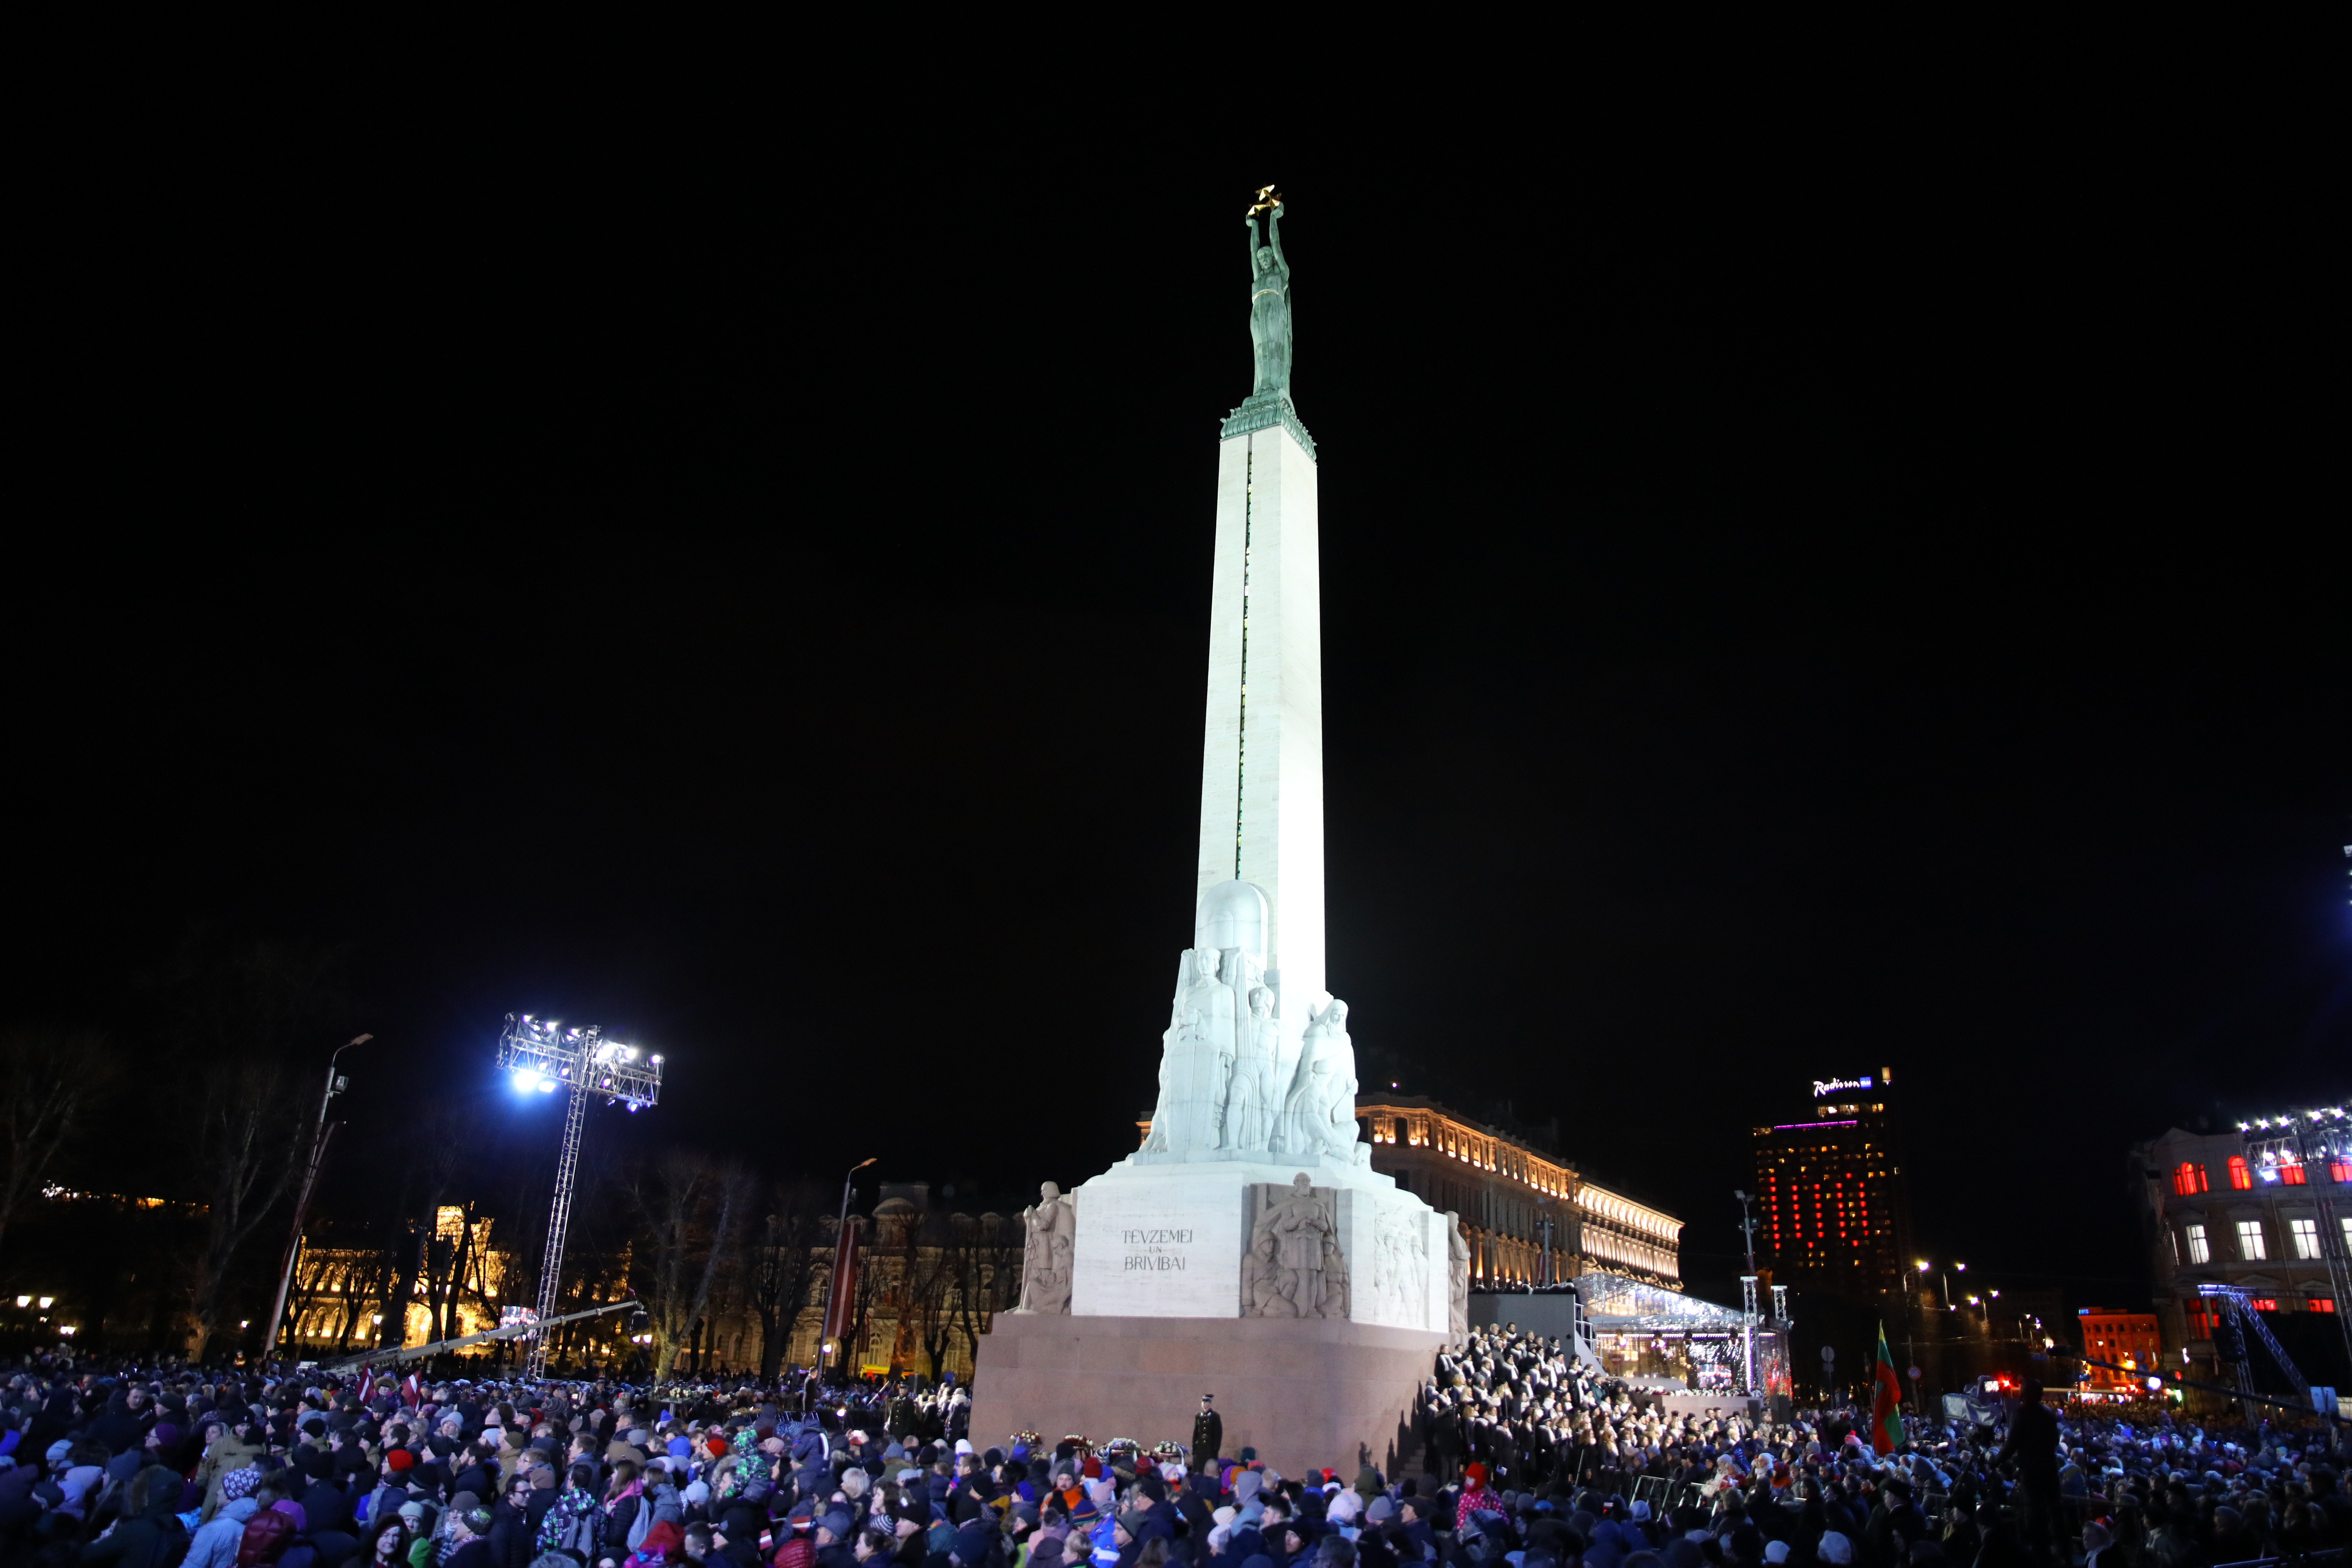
(1208, 1431)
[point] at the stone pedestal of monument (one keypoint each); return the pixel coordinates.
(1181, 1286)
(1302, 1392)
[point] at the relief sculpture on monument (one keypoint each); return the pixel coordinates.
(1400, 1262)
(1196, 1057)
(1318, 1114)
(1458, 1293)
(1292, 1267)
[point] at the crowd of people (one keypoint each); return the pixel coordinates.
(1529, 1424)
(1527, 1407)
(1531, 1458)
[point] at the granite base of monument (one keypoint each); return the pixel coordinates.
(1302, 1392)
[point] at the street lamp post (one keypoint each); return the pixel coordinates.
(321, 1131)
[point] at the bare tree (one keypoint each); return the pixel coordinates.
(784, 1264)
(927, 1283)
(691, 1209)
(248, 1161)
(869, 1289)
(46, 1078)
(245, 1007)
(367, 1276)
(986, 1266)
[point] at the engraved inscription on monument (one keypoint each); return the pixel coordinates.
(1156, 1250)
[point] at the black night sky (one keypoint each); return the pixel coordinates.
(1779, 622)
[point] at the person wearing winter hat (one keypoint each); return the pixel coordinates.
(1103, 1545)
(214, 1543)
(1834, 1548)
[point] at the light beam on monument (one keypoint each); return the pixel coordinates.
(540, 1053)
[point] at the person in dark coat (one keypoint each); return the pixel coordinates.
(477, 1471)
(514, 1535)
(832, 1547)
(138, 1539)
(119, 1427)
(1208, 1431)
(326, 1506)
(2033, 1444)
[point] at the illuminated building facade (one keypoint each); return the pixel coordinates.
(2129, 1339)
(1510, 1196)
(1831, 1212)
(2265, 1209)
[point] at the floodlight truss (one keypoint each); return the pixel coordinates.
(542, 1054)
(2320, 1142)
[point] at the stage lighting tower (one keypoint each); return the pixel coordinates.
(542, 1056)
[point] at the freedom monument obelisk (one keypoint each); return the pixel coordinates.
(1248, 1248)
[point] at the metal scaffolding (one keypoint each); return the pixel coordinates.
(544, 1055)
(2291, 1151)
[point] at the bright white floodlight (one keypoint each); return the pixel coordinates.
(541, 1055)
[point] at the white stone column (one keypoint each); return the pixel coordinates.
(1262, 752)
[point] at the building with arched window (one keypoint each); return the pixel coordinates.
(1530, 1216)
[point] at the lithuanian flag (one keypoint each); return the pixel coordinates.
(1886, 1405)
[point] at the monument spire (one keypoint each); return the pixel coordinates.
(1261, 749)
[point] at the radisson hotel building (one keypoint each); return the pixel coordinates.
(1833, 1213)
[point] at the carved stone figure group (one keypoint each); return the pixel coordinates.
(1294, 1268)
(1228, 1080)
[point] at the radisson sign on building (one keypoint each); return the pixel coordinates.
(1826, 1086)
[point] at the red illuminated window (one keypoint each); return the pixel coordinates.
(2291, 1174)
(2264, 1303)
(2323, 1303)
(2339, 1171)
(2189, 1177)
(2239, 1177)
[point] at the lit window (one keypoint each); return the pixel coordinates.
(2291, 1174)
(2323, 1303)
(2200, 1249)
(2239, 1177)
(2340, 1171)
(2264, 1303)
(2250, 1241)
(2189, 1177)
(2306, 1237)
